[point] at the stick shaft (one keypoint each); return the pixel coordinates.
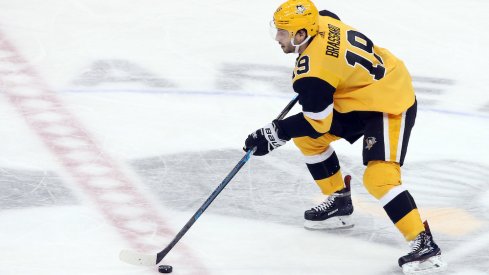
(216, 192)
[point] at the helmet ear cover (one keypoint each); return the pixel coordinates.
(296, 32)
(292, 34)
(297, 46)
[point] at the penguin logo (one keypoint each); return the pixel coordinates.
(300, 9)
(370, 141)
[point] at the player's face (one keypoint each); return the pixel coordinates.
(283, 38)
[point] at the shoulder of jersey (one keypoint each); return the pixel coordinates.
(322, 57)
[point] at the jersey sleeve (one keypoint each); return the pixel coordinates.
(316, 98)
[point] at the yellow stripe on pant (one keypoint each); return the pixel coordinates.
(393, 136)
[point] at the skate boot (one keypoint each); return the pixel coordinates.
(334, 213)
(425, 255)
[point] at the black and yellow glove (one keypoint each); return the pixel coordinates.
(265, 139)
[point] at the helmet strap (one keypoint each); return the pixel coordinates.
(299, 45)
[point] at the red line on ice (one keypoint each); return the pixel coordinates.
(97, 176)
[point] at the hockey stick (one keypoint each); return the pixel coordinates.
(136, 258)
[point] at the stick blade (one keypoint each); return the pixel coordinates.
(136, 258)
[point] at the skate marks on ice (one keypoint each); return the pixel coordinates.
(278, 188)
(259, 191)
(280, 181)
(30, 188)
(91, 171)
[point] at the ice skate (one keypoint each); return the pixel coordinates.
(334, 213)
(424, 257)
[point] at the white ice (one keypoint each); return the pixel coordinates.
(168, 90)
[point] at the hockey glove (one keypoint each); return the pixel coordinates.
(265, 140)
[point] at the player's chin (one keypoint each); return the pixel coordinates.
(285, 50)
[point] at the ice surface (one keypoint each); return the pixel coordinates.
(119, 118)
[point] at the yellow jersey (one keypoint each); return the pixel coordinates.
(343, 70)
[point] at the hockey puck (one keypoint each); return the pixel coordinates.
(165, 268)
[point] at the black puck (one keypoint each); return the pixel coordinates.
(165, 268)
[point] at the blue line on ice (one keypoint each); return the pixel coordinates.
(240, 94)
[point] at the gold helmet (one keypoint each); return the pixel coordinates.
(295, 15)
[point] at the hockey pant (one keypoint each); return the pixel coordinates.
(389, 134)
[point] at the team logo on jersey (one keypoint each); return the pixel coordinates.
(370, 141)
(300, 9)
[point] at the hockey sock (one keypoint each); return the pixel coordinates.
(383, 180)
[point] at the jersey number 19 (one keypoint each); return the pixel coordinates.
(366, 45)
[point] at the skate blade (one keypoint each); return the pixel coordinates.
(338, 222)
(432, 265)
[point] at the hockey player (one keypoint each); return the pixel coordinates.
(348, 88)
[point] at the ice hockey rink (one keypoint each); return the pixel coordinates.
(119, 118)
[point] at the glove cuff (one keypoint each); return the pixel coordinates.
(280, 131)
(270, 133)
